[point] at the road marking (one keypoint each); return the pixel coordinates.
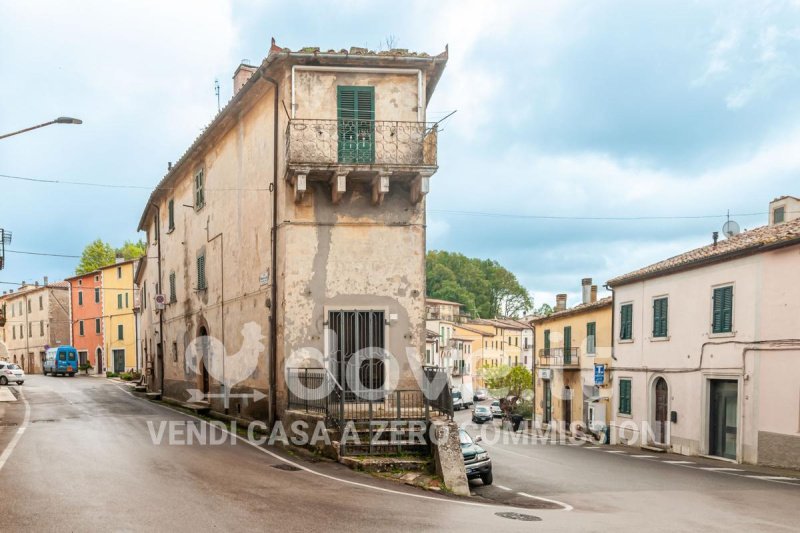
(566, 507)
(643, 456)
(502, 487)
(594, 447)
(774, 478)
(614, 451)
(720, 469)
(11, 445)
(678, 462)
(337, 479)
(6, 395)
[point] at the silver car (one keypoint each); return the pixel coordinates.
(10, 372)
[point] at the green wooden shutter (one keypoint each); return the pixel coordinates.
(591, 340)
(660, 308)
(172, 293)
(625, 396)
(201, 272)
(171, 211)
(567, 345)
(547, 342)
(356, 124)
(722, 316)
(626, 322)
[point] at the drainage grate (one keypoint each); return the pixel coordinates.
(283, 466)
(519, 516)
(44, 420)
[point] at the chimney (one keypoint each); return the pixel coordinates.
(45, 280)
(242, 74)
(36, 283)
(169, 166)
(594, 293)
(715, 236)
(586, 288)
(23, 284)
(561, 302)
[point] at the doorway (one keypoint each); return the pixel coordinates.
(99, 360)
(567, 407)
(723, 418)
(661, 411)
(548, 402)
(206, 383)
(119, 360)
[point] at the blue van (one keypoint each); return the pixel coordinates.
(61, 360)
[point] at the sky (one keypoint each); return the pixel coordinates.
(594, 110)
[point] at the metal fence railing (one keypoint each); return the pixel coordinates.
(559, 357)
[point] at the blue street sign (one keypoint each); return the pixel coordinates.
(599, 374)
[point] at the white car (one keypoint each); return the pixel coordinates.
(11, 372)
(495, 408)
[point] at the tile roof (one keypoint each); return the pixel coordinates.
(437, 301)
(749, 242)
(575, 310)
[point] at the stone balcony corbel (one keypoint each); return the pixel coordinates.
(299, 180)
(380, 186)
(420, 186)
(338, 185)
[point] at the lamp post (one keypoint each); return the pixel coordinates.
(59, 120)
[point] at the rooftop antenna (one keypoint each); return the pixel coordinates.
(216, 91)
(730, 228)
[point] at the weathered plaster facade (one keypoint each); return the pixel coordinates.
(348, 236)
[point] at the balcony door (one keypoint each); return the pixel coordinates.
(567, 345)
(356, 124)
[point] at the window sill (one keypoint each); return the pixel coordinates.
(721, 335)
(625, 415)
(625, 341)
(660, 339)
(592, 355)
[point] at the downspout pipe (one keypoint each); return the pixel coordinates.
(613, 319)
(273, 321)
(159, 353)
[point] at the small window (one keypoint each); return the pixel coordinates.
(41, 303)
(201, 272)
(171, 215)
(120, 332)
(626, 322)
(41, 328)
(29, 305)
(97, 278)
(119, 301)
(156, 229)
(173, 296)
(80, 328)
(13, 332)
(30, 329)
(119, 272)
(127, 302)
(175, 352)
(97, 295)
(625, 396)
(591, 339)
(547, 342)
(778, 215)
(660, 307)
(722, 319)
(199, 189)
(97, 325)
(80, 297)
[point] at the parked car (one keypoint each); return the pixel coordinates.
(476, 460)
(458, 402)
(481, 414)
(480, 395)
(11, 372)
(495, 408)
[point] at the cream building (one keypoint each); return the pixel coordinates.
(295, 222)
(37, 318)
(707, 348)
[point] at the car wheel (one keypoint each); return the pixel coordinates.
(72, 375)
(3, 380)
(20, 382)
(486, 478)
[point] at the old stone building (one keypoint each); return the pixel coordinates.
(295, 221)
(37, 317)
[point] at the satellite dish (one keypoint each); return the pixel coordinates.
(730, 228)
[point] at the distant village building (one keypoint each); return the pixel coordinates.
(707, 347)
(86, 306)
(295, 221)
(573, 361)
(120, 298)
(37, 317)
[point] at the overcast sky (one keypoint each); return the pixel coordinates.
(593, 109)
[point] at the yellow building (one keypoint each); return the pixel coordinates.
(119, 322)
(570, 343)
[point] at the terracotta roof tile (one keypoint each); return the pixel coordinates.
(580, 308)
(755, 240)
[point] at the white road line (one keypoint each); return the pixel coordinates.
(594, 447)
(643, 456)
(11, 445)
(774, 478)
(566, 507)
(720, 469)
(502, 487)
(678, 462)
(340, 480)
(614, 451)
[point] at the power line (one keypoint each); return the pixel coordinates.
(121, 186)
(45, 254)
(567, 217)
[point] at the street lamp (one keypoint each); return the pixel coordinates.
(59, 120)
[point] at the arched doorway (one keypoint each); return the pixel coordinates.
(99, 361)
(567, 407)
(202, 333)
(22, 363)
(661, 411)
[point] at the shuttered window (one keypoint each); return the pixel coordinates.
(97, 325)
(120, 332)
(778, 215)
(591, 339)
(80, 328)
(171, 215)
(172, 294)
(201, 272)
(119, 301)
(625, 396)
(356, 124)
(626, 322)
(80, 298)
(547, 342)
(660, 306)
(199, 189)
(722, 320)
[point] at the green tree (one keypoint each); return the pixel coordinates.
(518, 380)
(484, 287)
(132, 250)
(97, 254)
(544, 310)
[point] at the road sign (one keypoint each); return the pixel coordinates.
(599, 374)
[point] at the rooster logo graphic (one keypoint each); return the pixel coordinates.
(227, 369)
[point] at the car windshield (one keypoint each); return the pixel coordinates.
(464, 437)
(62, 356)
(71, 356)
(481, 409)
(456, 395)
(12, 366)
(496, 404)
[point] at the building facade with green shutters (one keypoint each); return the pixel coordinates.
(707, 349)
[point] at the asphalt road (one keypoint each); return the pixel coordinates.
(633, 489)
(86, 461)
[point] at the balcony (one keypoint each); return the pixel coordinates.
(566, 358)
(375, 151)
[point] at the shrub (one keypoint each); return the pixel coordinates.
(125, 376)
(111, 374)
